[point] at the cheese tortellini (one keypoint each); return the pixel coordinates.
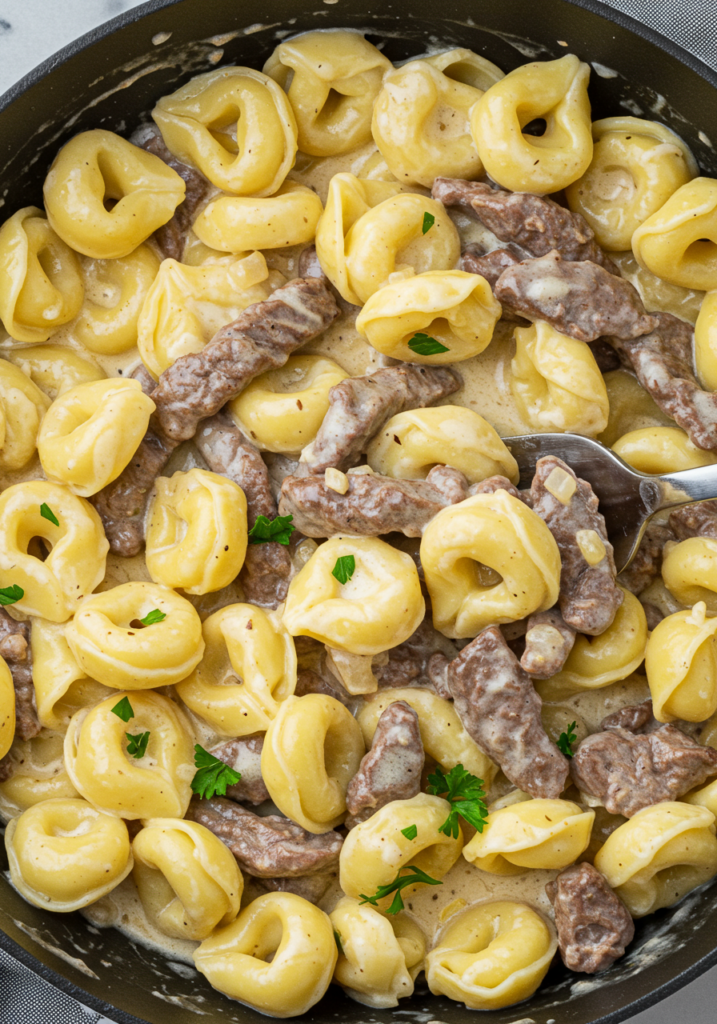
(681, 666)
(277, 956)
(95, 168)
(38, 774)
(61, 686)
(332, 79)
(90, 433)
(531, 834)
(380, 606)
(379, 957)
(235, 125)
(661, 450)
(65, 854)
(281, 410)
(659, 855)
(156, 785)
(239, 223)
(689, 571)
(54, 583)
(7, 708)
(188, 880)
(488, 560)
(413, 442)
(40, 281)
(706, 342)
(55, 368)
(556, 382)
(196, 531)
(312, 750)
(492, 955)
(554, 91)
(22, 408)
(456, 309)
(248, 670)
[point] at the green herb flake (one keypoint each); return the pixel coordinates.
(11, 595)
(47, 513)
(124, 710)
(153, 617)
(265, 530)
(212, 776)
(566, 740)
(425, 345)
(411, 832)
(344, 569)
(137, 746)
(397, 885)
(339, 943)
(428, 221)
(466, 796)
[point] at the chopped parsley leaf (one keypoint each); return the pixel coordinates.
(123, 710)
(425, 345)
(212, 776)
(265, 530)
(344, 569)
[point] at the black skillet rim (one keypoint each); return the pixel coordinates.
(100, 32)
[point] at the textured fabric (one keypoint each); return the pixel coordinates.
(689, 23)
(27, 999)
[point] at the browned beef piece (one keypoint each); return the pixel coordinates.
(579, 299)
(262, 337)
(265, 574)
(653, 615)
(490, 265)
(662, 361)
(269, 847)
(498, 483)
(309, 887)
(360, 406)
(698, 520)
(421, 661)
(449, 482)
(635, 718)
(606, 357)
(244, 756)
(309, 681)
(498, 706)
(646, 564)
(594, 925)
(171, 236)
(145, 378)
(391, 770)
(15, 649)
(628, 771)
(589, 595)
(309, 265)
(535, 223)
(7, 768)
(373, 505)
(548, 642)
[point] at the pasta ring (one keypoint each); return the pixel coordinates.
(22, 408)
(679, 241)
(681, 666)
(661, 450)
(7, 708)
(115, 291)
(55, 368)
(61, 687)
(239, 223)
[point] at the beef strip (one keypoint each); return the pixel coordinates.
(262, 337)
(269, 847)
(653, 615)
(309, 887)
(498, 706)
(489, 265)
(646, 564)
(635, 718)
(360, 406)
(498, 483)
(548, 642)
(309, 265)
(589, 595)
(605, 355)
(391, 770)
(266, 573)
(581, 300)
(309, 681)
(421, 661)
(244, 756)
(7, 767)
(698, 520)
(535, 223)
(15, 649)
(594, 925)
(372, 506)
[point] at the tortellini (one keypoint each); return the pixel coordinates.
(7, 708)
(661, 450)
(631, 408)
(61, 686)
(22, 408)
(636, 167)
(413, 442)
(196, 531)
(379, 957)
(554, 91)
(248, 670)
(332, 79)
(492, 955)
(156, 785)
(55, 368)
(370, 229)
(706, 342)
(186, 306)
(114, 646)
(53, 585)
(312, 750)
(679, 241)
(556, 382)
(188, 880)
(65, 854)
(689, 571)
(531, 834)
(681, 666)
(379, 607)
(40, 282)
(488, 560)
(91, 171)
(38, 773)
(90, 433)
(277, 957)
(456, 309)
(281, 410)
(659, 855)
(235, 125)
(238, 223)
(375, 850)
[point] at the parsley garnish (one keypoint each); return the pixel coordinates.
(137, 744)
(124, 710)
(411, 832)
(213, 776)
(339, 944)
(465, 794)
(47, 513)
(264, 530)
(428, 221)
(566, 740)
(425, 345)
(397, 885)
(154, 616)
(344, 569)
(9, 595)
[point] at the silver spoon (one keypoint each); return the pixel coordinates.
(628, 499)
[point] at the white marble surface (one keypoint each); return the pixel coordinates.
(30, 31)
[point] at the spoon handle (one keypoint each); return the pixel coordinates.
(689, 485)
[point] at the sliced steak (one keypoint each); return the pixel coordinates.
(309, 887)
(244, 756)
(421, 661)
(309, 681)
(646, 565)
(698, 520)
(548, 642)
(15, 649)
